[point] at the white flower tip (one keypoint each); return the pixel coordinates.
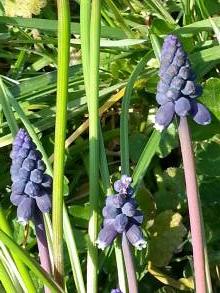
(159, 127)
(140, 244)
(100, 244)
(22, 221)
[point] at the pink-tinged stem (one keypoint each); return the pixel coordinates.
(129, 265)
(193, 206)
(43, 247)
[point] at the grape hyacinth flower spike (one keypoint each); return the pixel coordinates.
(177, 94)
(31, 190)
(121, 216)
(31, 187)
(177, 91)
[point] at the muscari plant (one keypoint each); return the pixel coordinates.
(177, 95)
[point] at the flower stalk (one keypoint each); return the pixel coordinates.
(195, 214)
(42, 246)
(129, 265)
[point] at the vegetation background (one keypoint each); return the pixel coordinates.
(132, 32)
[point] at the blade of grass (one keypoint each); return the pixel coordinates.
(51, 25)
(6, 280)
(119, 18)
(7, 110)
(124, 144)
(31, 263)
(145, 158)
(60, 129)
(26, 281)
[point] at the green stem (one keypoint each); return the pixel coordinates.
(60, 128)
(92, 259)
(74, 258)
(6, 280)
(85, 11)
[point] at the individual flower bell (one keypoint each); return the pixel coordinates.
(121, 216)
(31, 188)
(177, 91)
(117, 290)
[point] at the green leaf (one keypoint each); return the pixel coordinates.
(168, 142)
(204, 60)
(171, 190)
(211, 96)
(208, 159)
(146, 157)
(51, 26)
(165, 236)
(196, 27)
(146, 203)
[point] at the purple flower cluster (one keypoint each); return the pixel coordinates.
(177, 90)
(121, 216)
(31, 187)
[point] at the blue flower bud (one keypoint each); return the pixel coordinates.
(18, 186)
(16, 199)
(44, 203)
(110, 212)
(29, 164)
(177, 83)
(200, 113)
(164, 116)
(120, 223)
(122, 185)
(138, 218)
(106, 236)
(189, 89)
(116, 200)
(25, 210)
(182, 107)
(46, 181)
(135, 236)
(129, 209)
(32, 189)
(41, 166)
(161, 98)
(36, 176)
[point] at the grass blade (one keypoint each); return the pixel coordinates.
(60, 129)
(31, 263)
(146, 158)
(124, 144)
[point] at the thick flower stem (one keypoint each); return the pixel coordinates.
(43, 246)
(128, 259)
(193, 205)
